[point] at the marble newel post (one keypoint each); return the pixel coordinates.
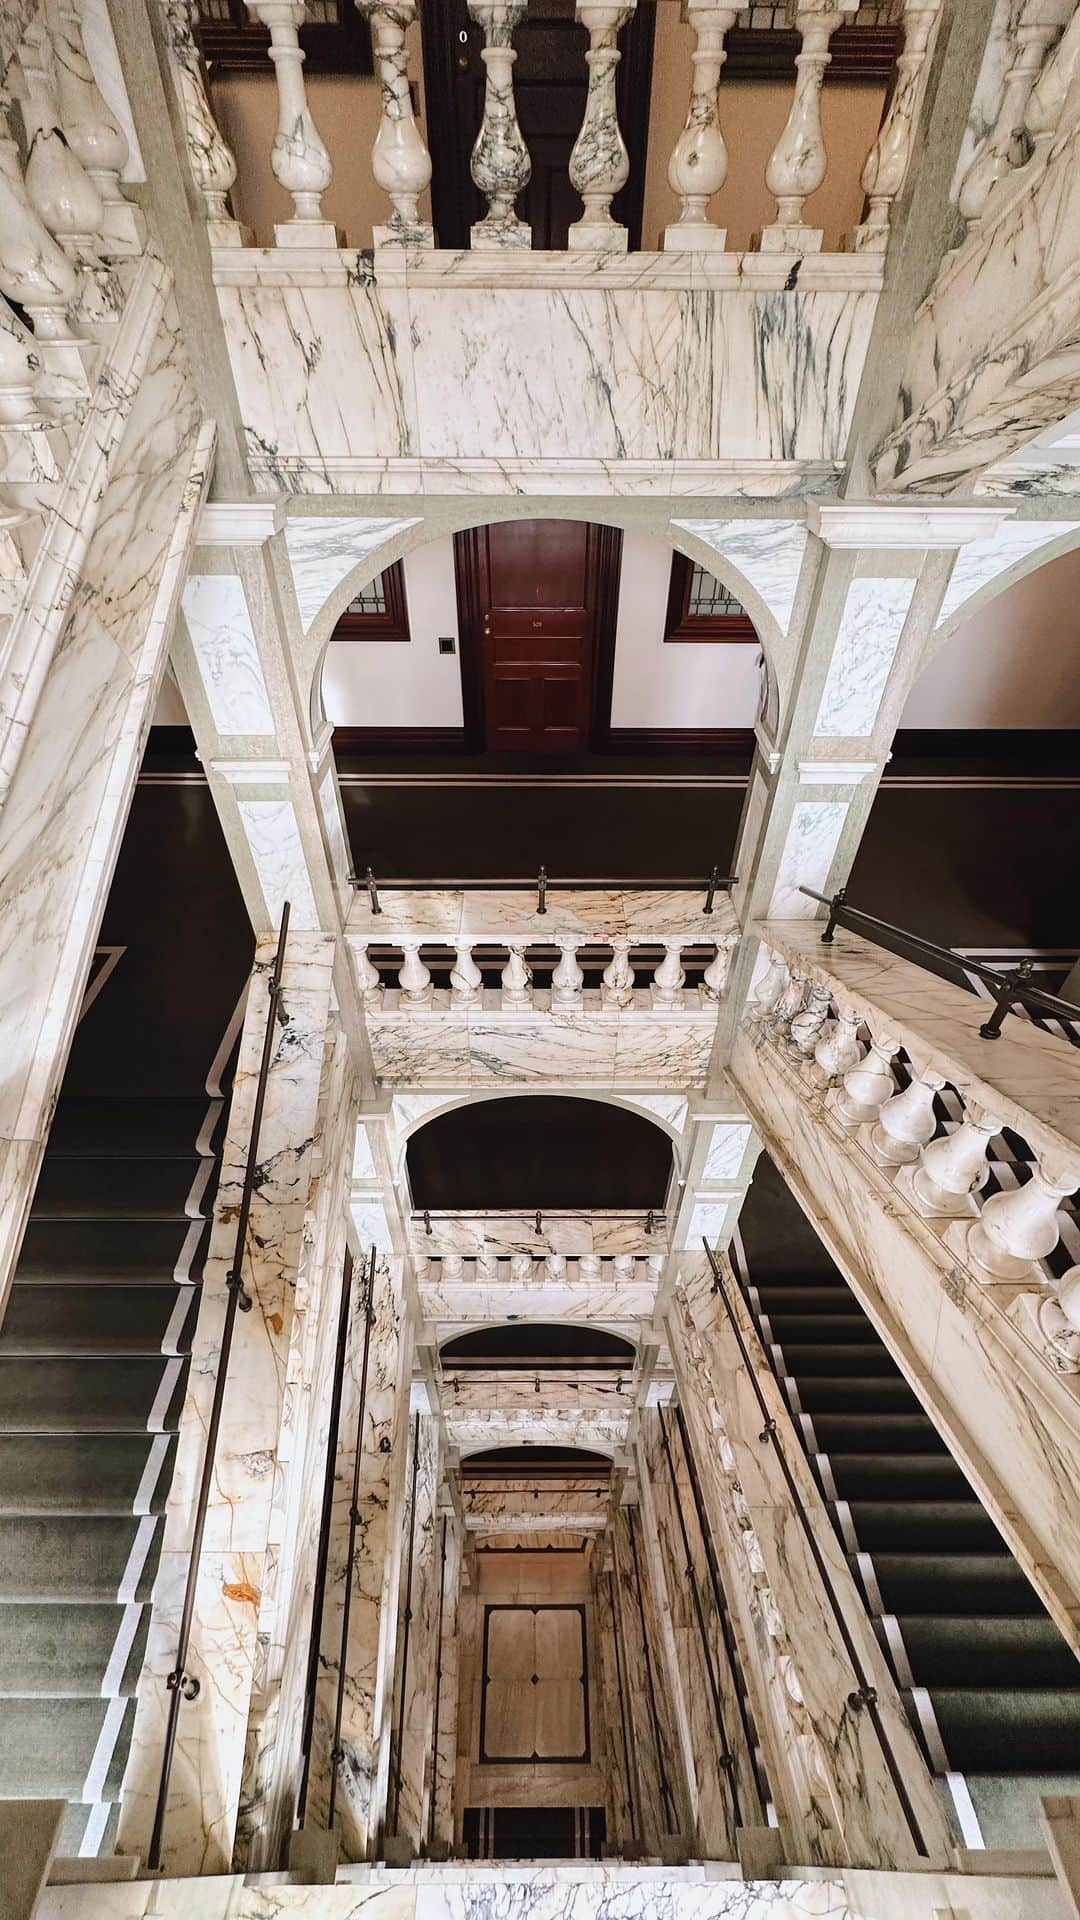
(599, 163)
(235, 1563)
(412, 1767)
(400, 161)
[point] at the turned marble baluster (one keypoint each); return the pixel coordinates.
(1002, 147)
(599, 163)
(590, 1266)
(521, 1266)
(622, 1266)
(500, 164)
(34, 271)
(555, 1266)
(952, 1169)
(211, 161)
(797, 165)
(699, 160)
(568, 979)
(1020, 1226)
(866, 1087)
(766, 995)
(1059, 1322)
(790, 1001)
(669, 978)
(516, 979)
(57, 184)
(889, 157)
(617, 989)
(837, 1046)
(400, 161)
(806, 1025)
(19, 367)
(714, 978)
(414, 978)
(93, 132)
(1048, 96)
(907, 1120)
(298, 158)
(487, 1266)
(466, 979)
(367, 977)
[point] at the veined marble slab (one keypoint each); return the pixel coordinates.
(594, 1432)
(481, 1047)
(768, 553)
(324, 549)
(223, 641)
(869, 634)
(496, 915)
(980, 563)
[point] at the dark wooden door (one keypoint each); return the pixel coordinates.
(550, 79)
(535, 589)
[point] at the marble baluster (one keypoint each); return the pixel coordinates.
(699, 161)
(907, 1120)
(94, 133)
(414, 1712)
(806, 1025)
(298, 158)
(889, 157)
(599, 162)
(500, 164)
(1020, 1226)
(1002, 148)
(1059, 1322)
(516, 978)
(466, 979)
(224, 1655)
(838, 1046)
(617, 989)
(950, 1171)
(374, 1575)
(35, 272)
(445, 1744)
(414, 978)
(669, 978)
(867, 1086)
(213, 167)
(19, 368)
(715, 976)
(367, 978)
(790, 1002)
(57, 184)
(568, 980)
(797, 165)
(770, 987)
(400, 161)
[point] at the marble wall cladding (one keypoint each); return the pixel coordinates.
(836, 1798)
(499, 1236)
(709, 1221)
(498, 915)
(445, 1735)
(869, 633)
(515, 1427)
(257, 1415)
(277, 849)
(334, 824)
(414, 1711)
(982, 562)
(667, 1656)
(66, 805)
(653, 1802)
(223, 641)
(481, 1047)
(806, 857)
(727, 1149)
(472, 371)
(324, 550)
(617, 1304)
(503, 1390)
(1006, 1414)
(374, 1572)
(768, 553)
(610, 1714)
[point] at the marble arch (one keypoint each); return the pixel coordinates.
(670, 1121)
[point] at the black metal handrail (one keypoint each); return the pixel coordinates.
(710, 884)
(336, 1751)
(1008, 990)
(181, 1684)
(318, 1597)
(863, 1698)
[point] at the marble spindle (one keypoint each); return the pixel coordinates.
(889, 157)
(907, 1121)
(93, 132)
(1020, 1226)
(57, 184)
(867, 1086)
(414, 978)
(599, 162)
(951, 1170)
(1059, 1322)
(19, 367)
(714, 978)
(400, 161)
(367, 977)
(838, 1045)
(797, 165)
(998, 152)
(769, 988)
(516, 979)
(500, 164)
(568, 979)
(699, 159)
(34, 271)
(213, 167)
(466, 979)
(808, 1022)
(617, 989)
(669, 978)
(298, 157)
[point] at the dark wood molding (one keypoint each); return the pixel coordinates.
(864, 55)
(633, 86)
(418, 740)
(708, 629)
(608, 580)
(467, 565)
(239, 44)
(391, 625)
(697, 741)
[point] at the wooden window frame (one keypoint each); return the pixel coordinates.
(391, 625)
(709, 629)
(241, 45)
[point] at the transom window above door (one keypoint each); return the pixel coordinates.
(700, 607)
(379, 611)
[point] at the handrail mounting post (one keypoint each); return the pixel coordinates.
(836, 908)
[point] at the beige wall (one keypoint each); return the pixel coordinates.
(1015, 663)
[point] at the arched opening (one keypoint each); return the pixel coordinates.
(539, 1151)
(523, 1343)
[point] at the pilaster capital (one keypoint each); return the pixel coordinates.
(848, 524)
(236, 523)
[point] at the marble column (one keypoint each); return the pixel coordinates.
(844, 1795)
(445, 1730)
(236, 1559)
(375, 1411)
(414, 1707)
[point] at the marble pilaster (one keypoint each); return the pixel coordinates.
(445, 1733)
(668, 1656)
(411, 1765)
(651, 1755)
(256, 1422)
(619, 1767)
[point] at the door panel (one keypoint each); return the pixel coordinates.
(536, 591)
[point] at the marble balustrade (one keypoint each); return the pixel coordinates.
(554, 1238)
(959, 1158)
(642, 974)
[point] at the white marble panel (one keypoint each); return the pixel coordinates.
(372, 1226)
(675, 1050)
(330, 805)
(726, 1150)
(866, 643)
(223, 641)
(671, 1108)
(544, 1047)
(980, 563)
(768, 552)
(809, 850)
(324, 548)
(707, 1222)
(273, 835)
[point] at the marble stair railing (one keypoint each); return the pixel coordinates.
(1008, 141)
(798, 162)
(640, 975)
(299, 159)
(889, 157)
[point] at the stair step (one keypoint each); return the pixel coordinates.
(866, 1360)
(90, 1396)
(70, 1318)
(889, 1476)
(70, 1653)
(841, 1329)
(77, 1560)
(963, 1583)
(113, 1252)
(921, 1526)
(1016, 1729)
(803, 1296)
(143, 1128)
(49, 1747)
(870, 1433)
(58, 1474)
(826, 1393)
(961, 1650)
(77, 1819)
(110, 1189)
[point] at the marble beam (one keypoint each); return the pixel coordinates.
(235, 1564)
(411, 1763)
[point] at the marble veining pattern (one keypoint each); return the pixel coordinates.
(416, 1711)
(273, 835)
(768, 552)
(727, 1150)
(979, 564)
(223, 641)
(874, 614)
(324, 549)
(812, 839)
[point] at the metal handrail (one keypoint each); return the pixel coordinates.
(318, 1597)
(336, 1752)
(181, 1684)
(864, 1696)
(710, 884)
(1007, 989)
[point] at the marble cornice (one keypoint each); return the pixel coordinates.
(911, 527)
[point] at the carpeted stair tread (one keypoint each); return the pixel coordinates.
(135, 1128)
(887, 1476)
(852, 1394)
(66, 1652)
(868, 1361)
(47, 1747)
(115, 1252)
(59, 1474)
(950, 1583)
(82, 1560)
(89, 1396)
(1038, 1729)
(809, 1329)
(69, 1319)
(924, 1526)
(109, 1189)
(964, 1650)
(869, 1432)
(816, 1297)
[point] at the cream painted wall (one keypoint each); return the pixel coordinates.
(385, 683)
(672, 684)
(1016, 663)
